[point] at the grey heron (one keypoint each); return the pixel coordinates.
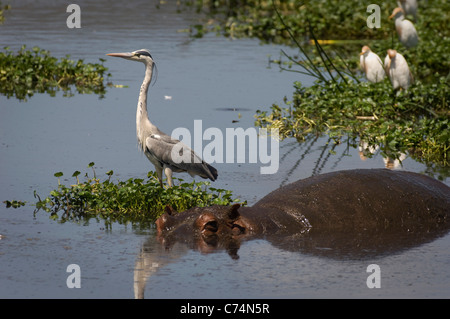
(157, 146)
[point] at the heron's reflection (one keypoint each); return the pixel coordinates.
(152, 257)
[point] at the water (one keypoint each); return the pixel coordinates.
(207, 79)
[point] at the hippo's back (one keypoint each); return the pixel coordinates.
(365, 198)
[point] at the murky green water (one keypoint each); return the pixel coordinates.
(206, 79)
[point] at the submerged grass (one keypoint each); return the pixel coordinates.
(36, 71)
(134, 200)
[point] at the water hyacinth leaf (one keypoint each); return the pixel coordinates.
(135, 200)
(14, 203)
(76, 173)
(30, 71)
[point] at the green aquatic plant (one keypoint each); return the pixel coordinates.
(332, 20)
(3, 8)
(258, 18)
(414, 121)
(36, 71)
(340, 103)
(135, 200)
(341, 106)
(339, 24)
(14, 203)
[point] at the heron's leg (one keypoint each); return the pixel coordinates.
(159, 173)
(168, 173)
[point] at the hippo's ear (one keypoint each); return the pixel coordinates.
(169, 210)
(233, 213)
(165, 220)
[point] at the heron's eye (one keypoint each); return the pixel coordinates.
(137, 54)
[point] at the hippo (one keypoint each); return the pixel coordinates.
(353, 213)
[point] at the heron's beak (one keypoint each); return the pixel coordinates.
(362, 53)
(125, 55)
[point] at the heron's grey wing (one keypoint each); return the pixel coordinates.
(164, 138)
(178, 156)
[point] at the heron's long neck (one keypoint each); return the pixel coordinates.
(143, 124)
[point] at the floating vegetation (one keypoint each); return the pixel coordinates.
(258, 18)
(14, 203)
(332, 20)
(134, 200)
(329, 36)
(35, 71)
(414, 122)
(340, 24)
(3, 8)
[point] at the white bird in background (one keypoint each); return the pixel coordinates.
(371, 64)
(397, 70)
(409, 7)
(406, 31)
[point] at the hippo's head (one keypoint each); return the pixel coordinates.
(205, 228)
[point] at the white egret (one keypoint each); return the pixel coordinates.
(371, 64)
(406, 31)
(397, 70)
(409, 6)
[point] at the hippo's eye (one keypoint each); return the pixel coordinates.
(237, 229)
(211, 226)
